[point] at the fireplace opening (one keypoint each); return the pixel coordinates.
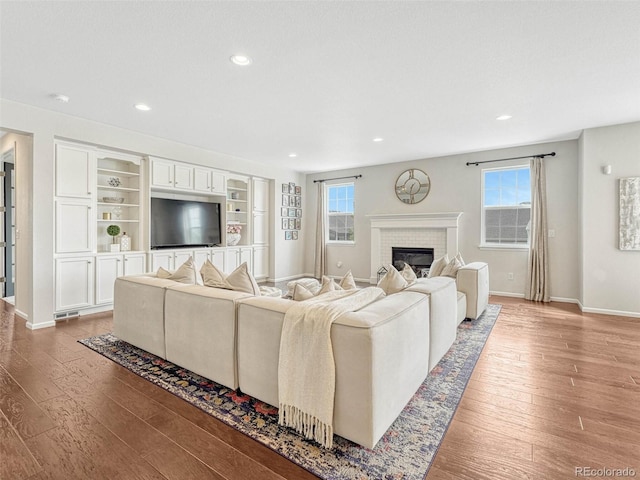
(419, 259)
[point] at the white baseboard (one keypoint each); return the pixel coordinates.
(37, 326)
(508, 294)
(21, 314)
(290, 277)
(565, 300)
(607, 311)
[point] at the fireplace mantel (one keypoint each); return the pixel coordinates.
(447, 221)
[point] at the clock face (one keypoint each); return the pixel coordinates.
(412, 186)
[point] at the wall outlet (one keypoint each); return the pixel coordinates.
(552, 233)
(509, 276)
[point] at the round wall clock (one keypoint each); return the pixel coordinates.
(412, 186)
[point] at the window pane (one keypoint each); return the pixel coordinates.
(491, 197)
(340, 209)
(492, 179)
(508, 178)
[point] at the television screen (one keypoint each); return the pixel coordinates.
(184, 223)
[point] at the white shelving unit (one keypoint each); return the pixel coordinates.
(238, 205)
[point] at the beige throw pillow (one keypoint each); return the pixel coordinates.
(438, 265)
(213, 277)
(459, 257)
(328, 285)
(187, 273)
(392, 282)
(347, 282)
(408, 274)
(301, 293)
(451, 270)
(239, 280)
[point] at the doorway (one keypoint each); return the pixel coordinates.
(7, 225)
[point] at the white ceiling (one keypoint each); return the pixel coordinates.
(328, 77)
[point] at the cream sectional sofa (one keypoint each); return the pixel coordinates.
(383, 352)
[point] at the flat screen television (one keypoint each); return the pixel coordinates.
(184, 223)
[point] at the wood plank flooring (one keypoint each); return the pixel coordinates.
(554, 389)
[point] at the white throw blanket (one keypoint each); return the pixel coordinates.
(306, 369)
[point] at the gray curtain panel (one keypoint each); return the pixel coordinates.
(537, 287)
(321, 244)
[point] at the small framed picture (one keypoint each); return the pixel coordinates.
(298, 201)
(292, 188)
(292, 212)
(298, 223)
(285, 188)
(285, 223)
(287, 235)
(292, 224)
(285, 200)
(294, 235)
(298, 190)
(292, 200)
(284, 211)
(298, 212)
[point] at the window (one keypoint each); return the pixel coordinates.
(340, 212)
(506, 206)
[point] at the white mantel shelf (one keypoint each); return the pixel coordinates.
(382, 221)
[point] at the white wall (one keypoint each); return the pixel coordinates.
(456, 188)
(45, 125)
(611, 277)
(23, 173)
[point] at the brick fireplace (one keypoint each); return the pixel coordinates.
(419, 230)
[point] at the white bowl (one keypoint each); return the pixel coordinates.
(113, 199)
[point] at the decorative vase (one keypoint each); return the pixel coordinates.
(233, 238)
(125, 242)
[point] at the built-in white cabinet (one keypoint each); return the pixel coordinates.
(260, 262)
(75, 225)
(236, 256)
(200, 257)
(74, 171)
(260, 194)
(74, 283)
(161, 173)
(217, 257)
(183, 176)
(177, 176)
(209, 181)
(161, 258)
(110, 267)
(260, 225)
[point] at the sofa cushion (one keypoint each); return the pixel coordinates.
(301, 293)
(438, 265)
(311, 284)
(328, 285)
(392, 282)
(186, 273)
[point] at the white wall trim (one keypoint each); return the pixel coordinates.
(36, 326)
(290, 277)
(21, 314)
(606, 311)
(507, 294)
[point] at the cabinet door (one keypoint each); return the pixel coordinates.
(201, 179)
(134, 264)
(260, 228)
(246, 255)
(161, 173)
(217, 258)
(181, 256)
(108, 268)
(161, 259)
(231, 259)
(74, 283)
(74, 171)
(200, 257)
(260, 195)
(261, 262)
(74, 226)
(218, 183)
(183, 177)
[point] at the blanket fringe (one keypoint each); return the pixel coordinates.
(306, 424)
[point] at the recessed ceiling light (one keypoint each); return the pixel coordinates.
(503, 117)
(61, 98)
(378, 139)
(293, 155)
(241, 60)
(142, 107)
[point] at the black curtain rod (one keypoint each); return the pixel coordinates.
(541, 155)
(339, 178)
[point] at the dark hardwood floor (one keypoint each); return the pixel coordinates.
(554, 390)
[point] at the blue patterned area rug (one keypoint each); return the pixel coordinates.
(404, 452)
